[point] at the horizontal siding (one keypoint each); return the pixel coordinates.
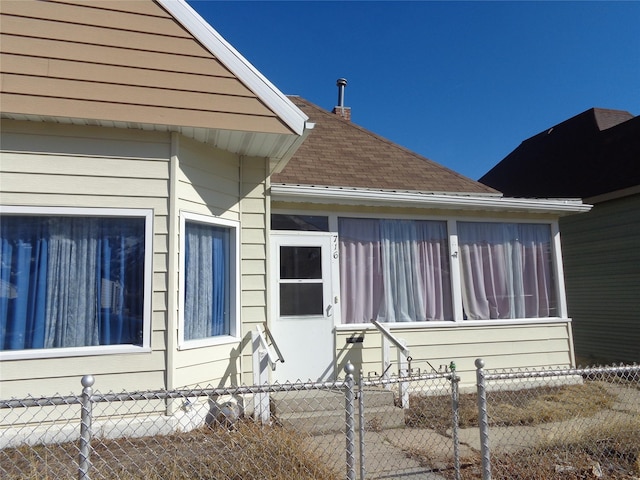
(532, 346)
(109, 184)
(42, 86)
(254, 254)
(52, 138)
(209, 182)
(70, 166)
(147, 62)
(602, 271)
(89, 167)
(121, 63)
(130, 381)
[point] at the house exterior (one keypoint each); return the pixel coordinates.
(594, 156)
(363, 229)
(136, 150)
(161, 199)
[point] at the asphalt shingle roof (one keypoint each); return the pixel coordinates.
(339, 153)
(595, 152)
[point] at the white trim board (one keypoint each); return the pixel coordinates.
(291, 115)
(361, 196)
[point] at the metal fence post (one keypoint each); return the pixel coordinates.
(350, 422)
(483, 420)
(84, 462)
(362, 423)
(455, 408)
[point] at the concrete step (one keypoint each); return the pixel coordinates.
(317, 411)
(319, 400)
(324, 421)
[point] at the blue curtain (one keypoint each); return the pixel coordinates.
(207, 281)
(70, 281)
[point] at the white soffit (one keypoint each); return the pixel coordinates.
(237, 64)
(440, 200)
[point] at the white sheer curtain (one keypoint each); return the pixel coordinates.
(77, 281)
(393, 270)
(207, 303)
(73, 267)
(506, 270)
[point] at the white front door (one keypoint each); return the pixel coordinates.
(303, 305)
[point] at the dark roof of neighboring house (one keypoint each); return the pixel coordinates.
(339, 153)
(595, 152)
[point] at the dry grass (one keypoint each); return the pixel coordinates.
(509, 408)
(605, 450)
(249, 452)
(608, 449)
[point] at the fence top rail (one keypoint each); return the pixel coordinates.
(40, 402)
(97, 397)
(407, 378)
(216, 392)
(560, 372)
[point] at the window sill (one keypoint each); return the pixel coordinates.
(452, 324)
(72, 352)
(208, 342)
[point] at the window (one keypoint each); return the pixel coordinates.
(394, 270)
(301, 282)
(406, 270)
(73, 278)
(506, 270)
(209, 279)
(305, 223)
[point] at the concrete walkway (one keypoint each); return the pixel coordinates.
(384, 456)
(625, 411)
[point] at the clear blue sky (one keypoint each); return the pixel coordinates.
(462, 83)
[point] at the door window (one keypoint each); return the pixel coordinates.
(301, 285)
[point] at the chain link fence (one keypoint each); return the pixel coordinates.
(344, 429)
(561, 423)
(557, 423)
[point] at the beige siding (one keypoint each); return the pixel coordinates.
(216, 183)
(118, 61)
(505, 346)
(89, 167)
(254, 254)
(602, 270)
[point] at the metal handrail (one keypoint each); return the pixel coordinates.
(273, 342)
(391, 337)
(272, 357)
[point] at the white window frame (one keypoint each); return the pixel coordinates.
(454, 263)
(147, 214)
(234, 262)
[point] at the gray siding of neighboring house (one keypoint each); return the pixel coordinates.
(601, 251)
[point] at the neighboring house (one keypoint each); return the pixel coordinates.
(594, 156)
(155, 211)
(363, 229)
(136, 149)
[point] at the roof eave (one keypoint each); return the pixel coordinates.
(439, 200)
(291, 115)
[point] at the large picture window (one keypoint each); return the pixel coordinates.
(209, 278)
(394, 270)
(506, 270)
(73, 280)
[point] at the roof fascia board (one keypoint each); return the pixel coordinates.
(354, 196)
(604, 197)
(236, 63)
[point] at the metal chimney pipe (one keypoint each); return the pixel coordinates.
(341, 83)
